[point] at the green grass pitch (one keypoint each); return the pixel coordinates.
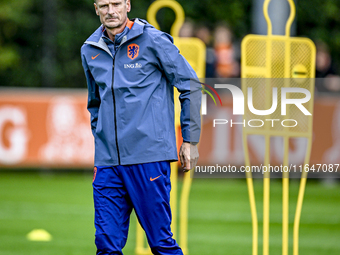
(219, 215)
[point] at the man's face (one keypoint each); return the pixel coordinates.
(112, 13)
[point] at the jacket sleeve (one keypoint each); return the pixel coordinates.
(181, 75)
(93, 100)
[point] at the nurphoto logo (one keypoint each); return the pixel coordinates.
(279, 97)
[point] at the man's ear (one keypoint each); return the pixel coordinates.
(128, 5)
(96, 8)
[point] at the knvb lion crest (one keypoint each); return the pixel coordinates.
(133, 50)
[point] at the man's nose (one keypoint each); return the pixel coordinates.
(111, 9)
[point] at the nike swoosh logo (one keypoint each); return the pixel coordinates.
(152, 179)
(94, 57)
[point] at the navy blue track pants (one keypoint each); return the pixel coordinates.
(146, 189)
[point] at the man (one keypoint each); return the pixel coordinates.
(131, 69)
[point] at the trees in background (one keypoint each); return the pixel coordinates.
(40, 45)
(40, 40)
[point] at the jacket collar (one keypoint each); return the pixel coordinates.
(136, 29)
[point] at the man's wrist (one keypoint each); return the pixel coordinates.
(193, 143)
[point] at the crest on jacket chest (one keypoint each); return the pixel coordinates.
(133, 50)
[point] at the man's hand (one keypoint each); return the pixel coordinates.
(188, 155)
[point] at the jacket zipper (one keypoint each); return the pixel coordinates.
(114, 101)
(115, 109)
